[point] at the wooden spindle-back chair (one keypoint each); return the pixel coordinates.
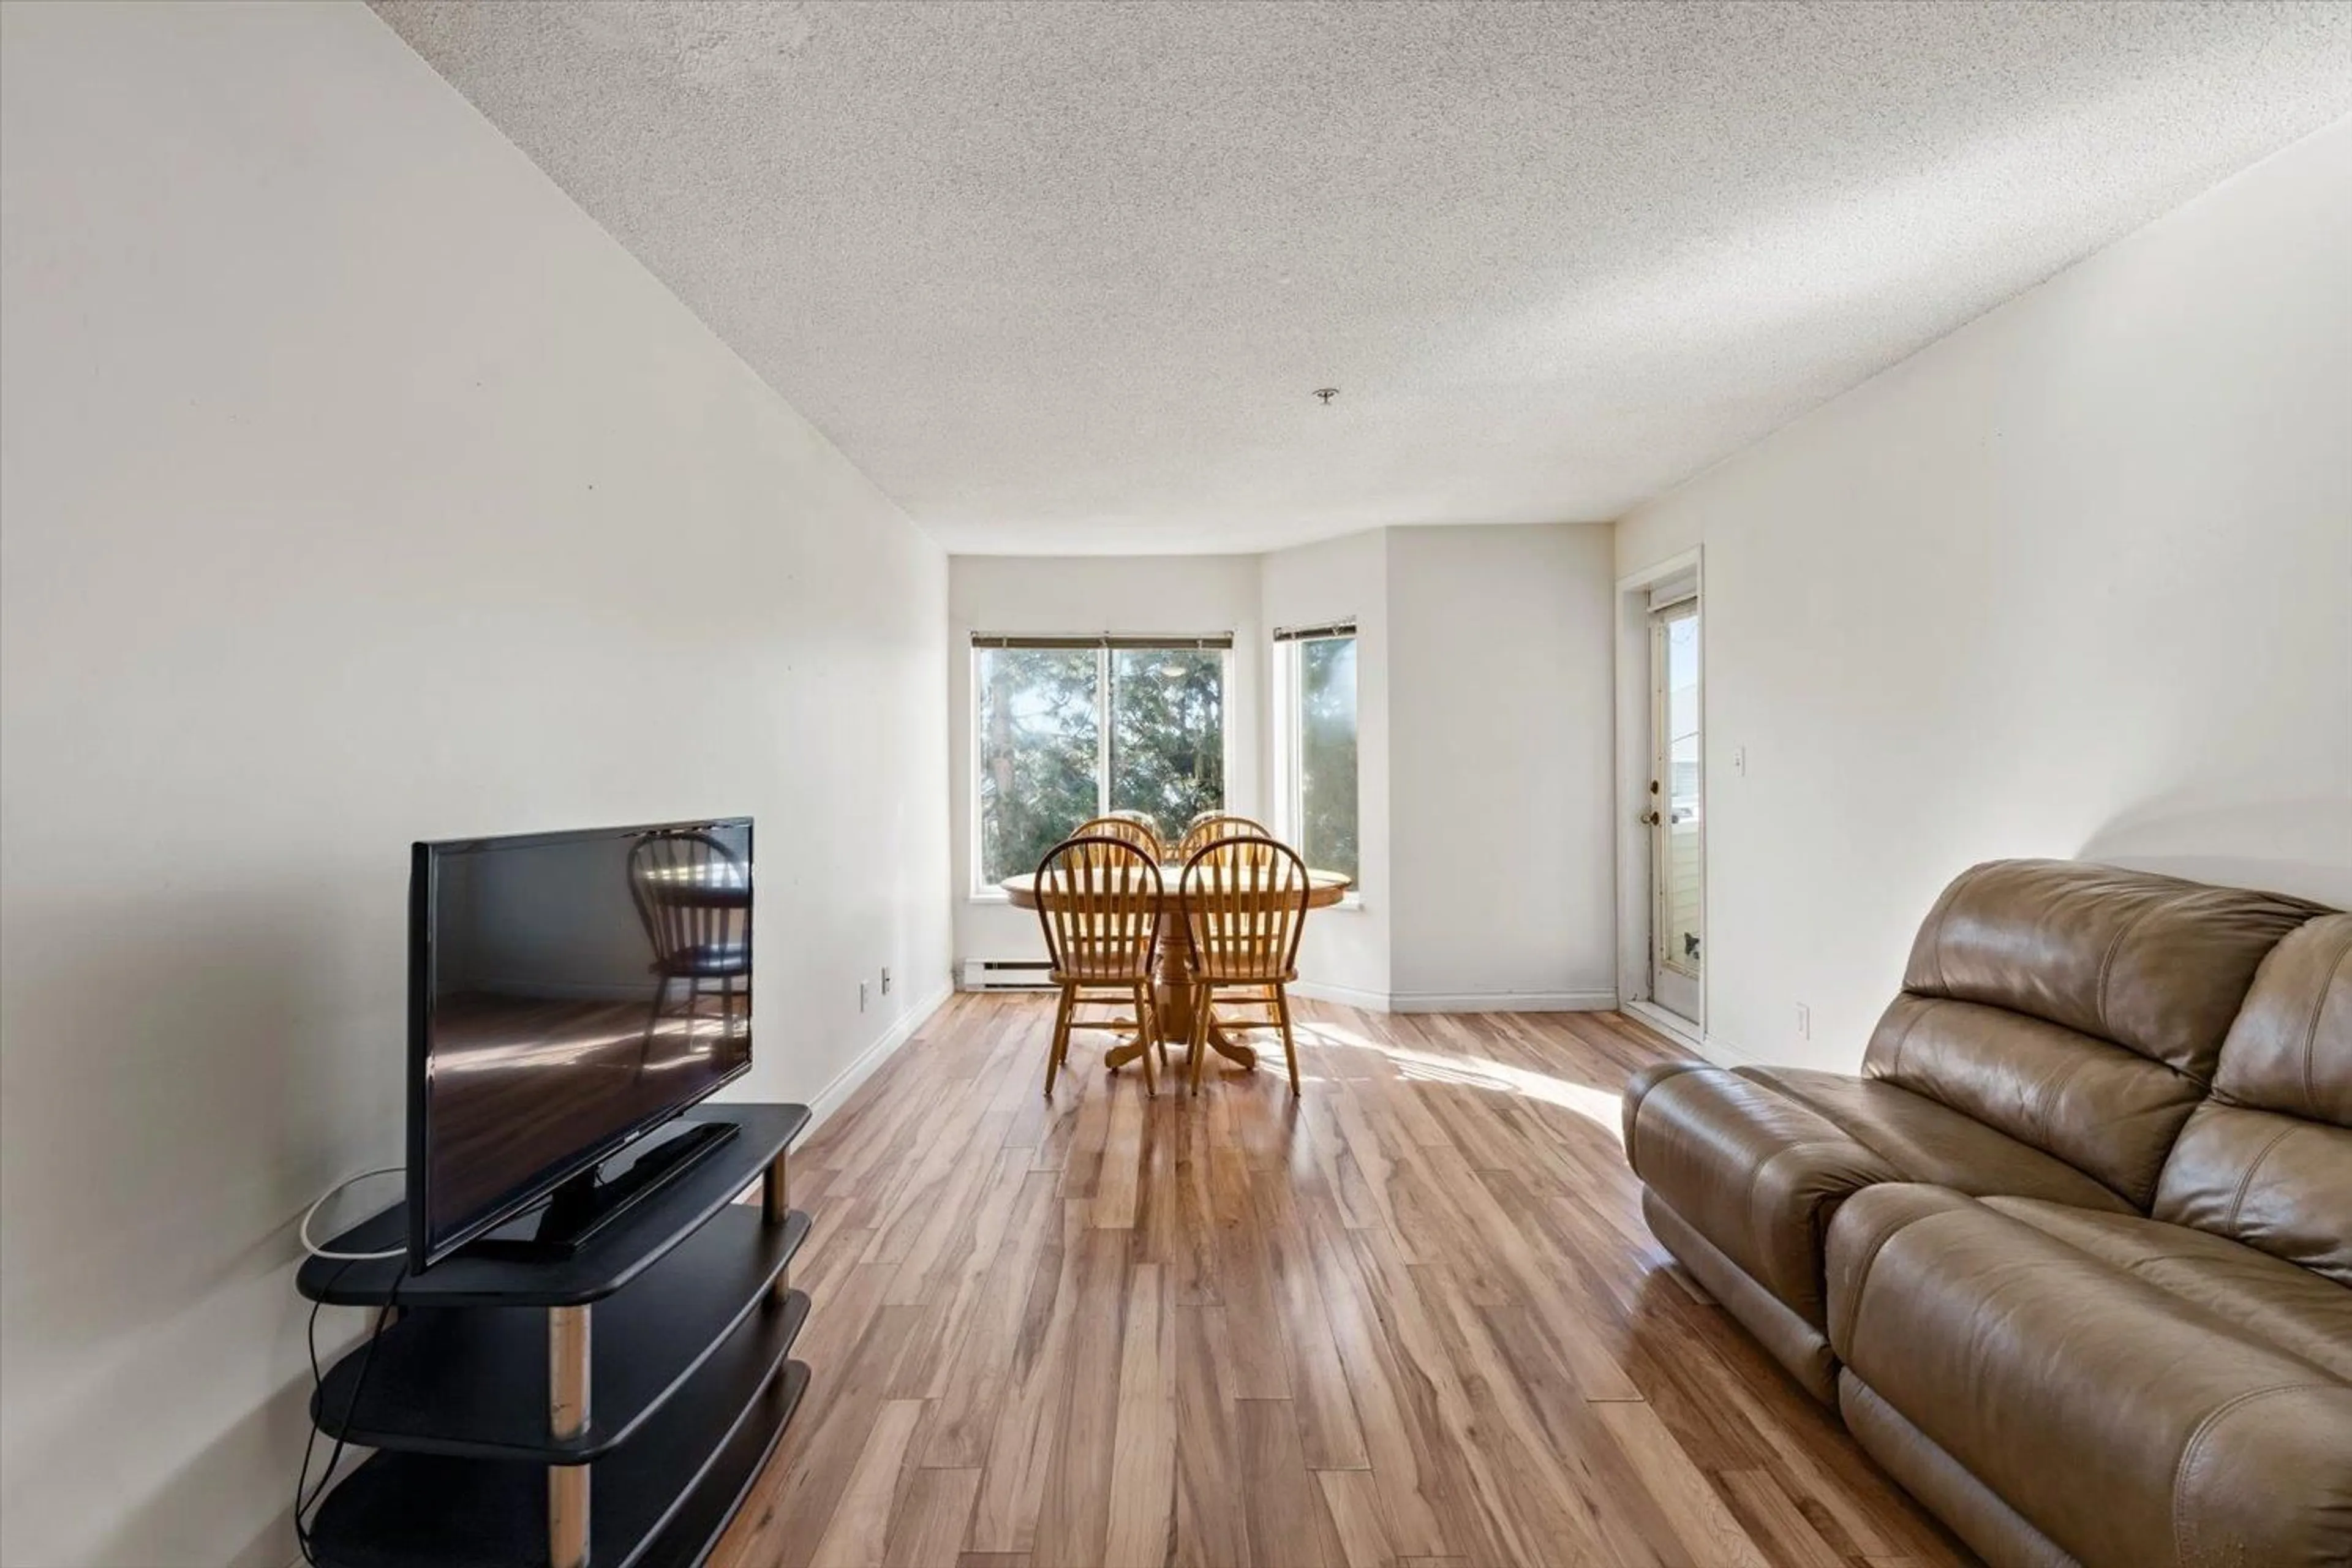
(1132, 826)
(1211, 825)
(690, 892)
(1098, 902)
(1244, 906)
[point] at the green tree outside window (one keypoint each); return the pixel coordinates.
(1327, 752)
(1065, 735)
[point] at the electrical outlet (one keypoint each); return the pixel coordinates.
(1804, 1022)
(861, 996)
(886, 980)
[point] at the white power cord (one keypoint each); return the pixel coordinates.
(315, 1250)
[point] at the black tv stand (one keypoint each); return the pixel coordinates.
(595, 1198)
(607, 1407)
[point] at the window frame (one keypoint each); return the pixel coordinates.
(1106, 646)
(1289, 772)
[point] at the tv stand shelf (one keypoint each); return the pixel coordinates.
(610, 1259)
(604, 1410)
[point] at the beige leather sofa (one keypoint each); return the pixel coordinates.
(2073, 1256)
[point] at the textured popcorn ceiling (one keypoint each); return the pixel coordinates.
(1063, 278)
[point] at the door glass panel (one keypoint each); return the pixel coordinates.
(1683, 935)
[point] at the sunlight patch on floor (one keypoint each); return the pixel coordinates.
(1599, 1106)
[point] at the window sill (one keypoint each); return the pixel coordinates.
(988, 896)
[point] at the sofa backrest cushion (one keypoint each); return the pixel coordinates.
(2078, 1008)
(2268, 1160)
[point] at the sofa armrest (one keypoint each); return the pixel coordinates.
(1754, 1172)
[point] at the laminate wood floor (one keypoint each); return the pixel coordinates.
(1413, 1318)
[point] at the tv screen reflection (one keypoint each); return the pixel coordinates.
(581, 988)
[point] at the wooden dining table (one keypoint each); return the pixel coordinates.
(1171, 980)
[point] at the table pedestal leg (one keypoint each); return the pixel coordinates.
(1171, 1001)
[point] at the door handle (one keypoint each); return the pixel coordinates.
(1648, 819)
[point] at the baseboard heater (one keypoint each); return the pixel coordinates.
(1006, 975)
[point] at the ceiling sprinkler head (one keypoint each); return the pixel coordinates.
(1327, 393)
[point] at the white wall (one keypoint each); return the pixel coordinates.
(2075, 581)
(1345, 954)
(357, 488)
(1186, 594)
(1500, 714)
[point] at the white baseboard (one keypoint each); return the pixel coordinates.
(1457, 1001)
(1685, 1033)
(845, 1082)
(1723, 1054)
(1502, 1001)
(1346, 995)
(1674, 1025)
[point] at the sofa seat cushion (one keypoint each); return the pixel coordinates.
(1757, 1160)
(2133, 1428)
(1930, 1141)
(2295, 1308)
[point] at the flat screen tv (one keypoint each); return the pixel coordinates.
(569, 993)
